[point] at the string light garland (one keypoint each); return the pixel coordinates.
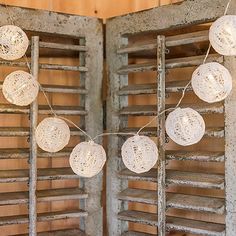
(87, 159)
(222, 35)
(20, 88)
(52, 134)
(13, 42)
(139, 153)
(185, 126)
(211, 82)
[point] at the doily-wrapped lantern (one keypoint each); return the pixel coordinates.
(222, 35)
(87, 159)
(185, 126)
(13, 42)
(212, 82)
(139, 153)
(20, 88)
(52, 134)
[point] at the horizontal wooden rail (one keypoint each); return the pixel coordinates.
(22, 175)
(42, 217)
(182, 178)
(150, 110)
(24, 132)
(152, 132)
(63, 194)
(45, 66)
(63, 232)
(62, 46)
(171, 41)
(170, 64)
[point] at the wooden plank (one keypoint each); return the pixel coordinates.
(60, 89)
(193, 179)
(44, 66)
(195, 227)
(137, 89)
(177, 86)
(93, 124)
(63, 67)
(196, 203)
(170, 64)
(63, 194)
(134, 233)
(113, 184)
(33, 144)
(151, 110)
(230, 145)
(192, 61)
(139, 217)
(188, 38)
(42, 217)
(64, 89)
(61, 46)
(138, 195)
(195, 156)
(43, 110)
(175, 200)
(149, 176)
(171, 41)
(22, 153)
(24, 132)
(151, 131)
(161, 163)
(64, 232)
(22, 175)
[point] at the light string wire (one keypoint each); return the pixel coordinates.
(118, 133)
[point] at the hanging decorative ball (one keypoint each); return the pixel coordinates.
(20, 88)
(13, 42)
(87, 159)
(222, 35)
(212, 82)
(185, 126)
(52, 134)
(139, 154)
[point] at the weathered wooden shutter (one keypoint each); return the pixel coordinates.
(54, 34)
(135, 44)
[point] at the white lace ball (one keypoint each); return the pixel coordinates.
(87, 159)
(20, 88)
(52, 134)
(185, 126)
(212, 82)
(222, 35)
(13, 42)
(139, 153)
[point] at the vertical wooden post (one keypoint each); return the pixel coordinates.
(230, 147)
(230, 144)
(161, 132)
(82, 56)
(114, 123)
(92, 79)
(33, 145)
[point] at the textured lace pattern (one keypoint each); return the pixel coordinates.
(52, 134)
(20, 88)
(185, 126)
(139, 153)
(87, 159)
(13, 42)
